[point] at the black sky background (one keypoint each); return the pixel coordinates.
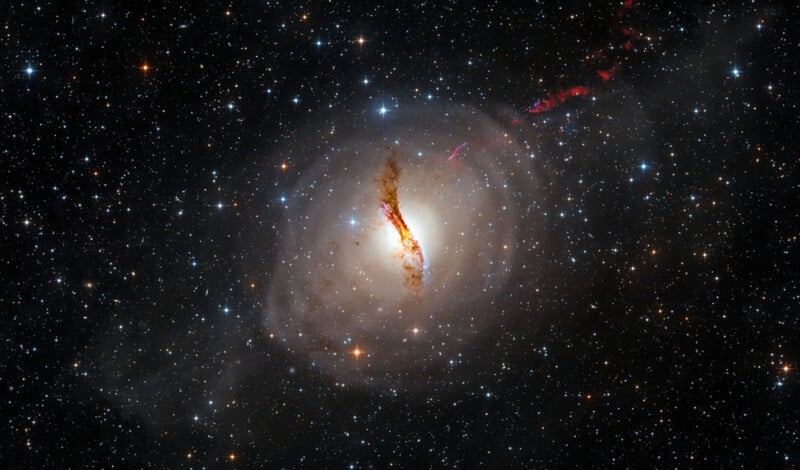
(663, 344)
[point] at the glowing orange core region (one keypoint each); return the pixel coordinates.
(413, 260)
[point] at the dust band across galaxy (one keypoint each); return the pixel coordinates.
(395, 250)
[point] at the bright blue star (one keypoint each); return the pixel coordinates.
(735, 71)
(643, 166)
(382, 111)
(29, 70)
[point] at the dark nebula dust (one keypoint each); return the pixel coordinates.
(413, 259)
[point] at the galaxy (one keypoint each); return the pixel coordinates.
(413, 257)
(400, 235)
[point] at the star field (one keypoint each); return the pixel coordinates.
(186, 220)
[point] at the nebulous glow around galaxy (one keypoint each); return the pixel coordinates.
(340, 292)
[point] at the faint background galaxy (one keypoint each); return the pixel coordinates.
(200, 267)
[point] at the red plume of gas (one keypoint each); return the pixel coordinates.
(554, 99)
(608, 74)
(631, 38)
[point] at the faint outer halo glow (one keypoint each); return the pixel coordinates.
(337, 283)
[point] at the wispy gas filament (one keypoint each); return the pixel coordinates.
(413, 260)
